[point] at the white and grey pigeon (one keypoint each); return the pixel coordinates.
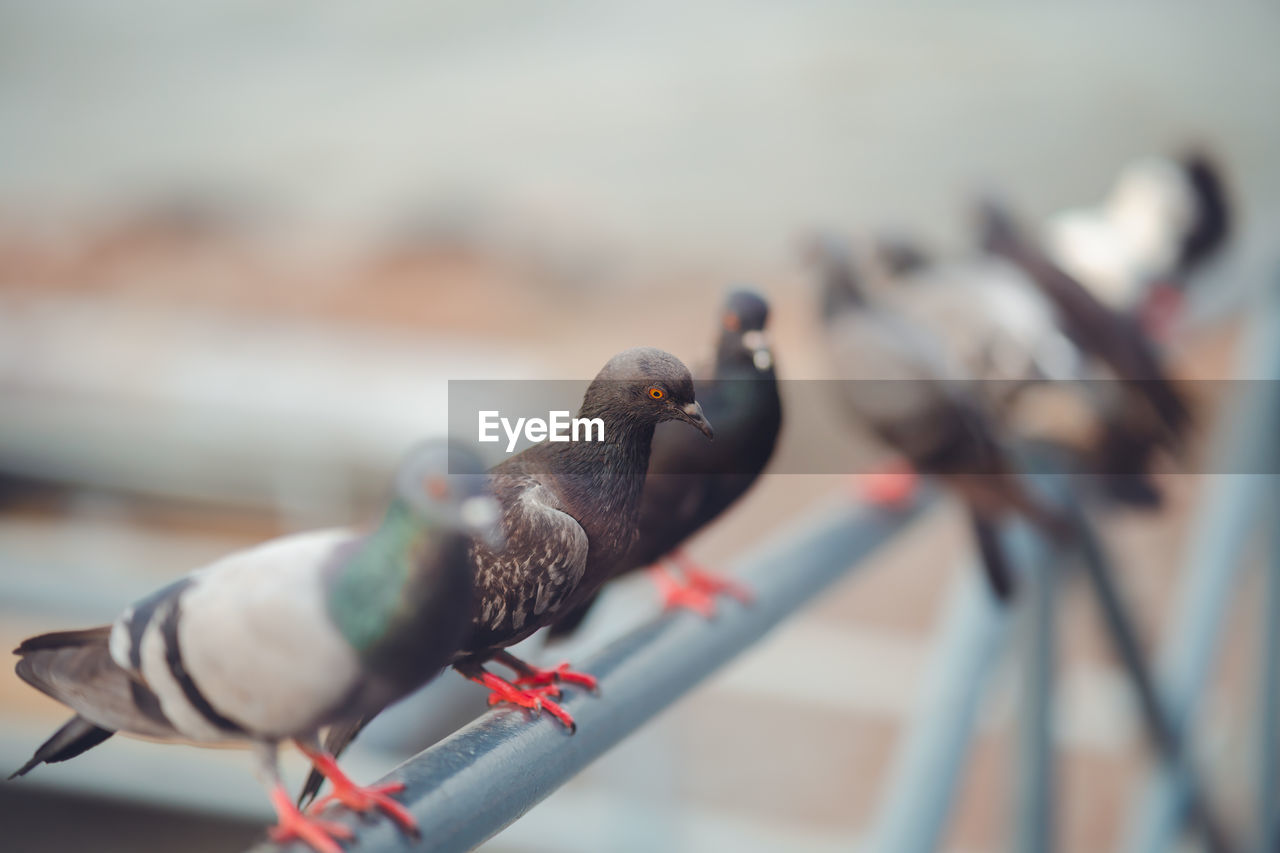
(1145, 411)
(278, 641)
(1161, 219)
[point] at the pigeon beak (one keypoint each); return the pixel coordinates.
(692, 414)
(481, 516)
(757, 342)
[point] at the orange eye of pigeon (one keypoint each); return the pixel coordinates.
(732, 323)
(656, 393)
(437, 487)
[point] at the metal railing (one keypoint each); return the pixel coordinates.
(451, 787)
(1237, 507)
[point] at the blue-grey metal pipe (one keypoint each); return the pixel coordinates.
(1034, 826)
(916, 805)
(1267, 807)
(1167, 739)
(918, 799)
(1231, 504)
(483, 777)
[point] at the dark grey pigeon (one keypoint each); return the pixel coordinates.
(997, 321)
(913, 394)
(691, 483)
(279, 641)
(570, 512)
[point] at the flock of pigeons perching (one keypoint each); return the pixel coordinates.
(307, 637)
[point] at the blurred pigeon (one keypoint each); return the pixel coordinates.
(690, 483)
(278, 641)
(994, 319)
(570, 513)
(983, 311)
(1161, 220)
(1147, 410)
(919, 400)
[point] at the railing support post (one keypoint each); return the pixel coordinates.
(1034, 827)
(1230, 502)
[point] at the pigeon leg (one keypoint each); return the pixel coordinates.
(676, 595)
(358, 798)
(891, 487)
(1161, 310)
(291, 823)
(502, 690)
(536, 676)
(705, 581)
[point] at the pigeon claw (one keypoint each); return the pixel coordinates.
(893, 487)
(292, 825)
(682, 596)
(374, 797)
(715, 585)
(359, 798)
(562, 674)
(535, 699)
(710, 583)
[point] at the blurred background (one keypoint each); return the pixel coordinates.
(244, 246)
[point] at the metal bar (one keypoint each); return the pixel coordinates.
(1231, 503)
(1267, 808)
(483, 777)
(1165, 736)
(914, 811)
(1034, 827)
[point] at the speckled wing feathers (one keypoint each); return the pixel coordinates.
(510, 592)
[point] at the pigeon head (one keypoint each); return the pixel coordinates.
(745, 311)
(898, 255)
(840, 284)
(447, 485)
(645, 385)
(742, 322)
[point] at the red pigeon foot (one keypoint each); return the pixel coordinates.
(535, 699)
(536, 676)
(681, 596)
(359, 798)
(702, 580)
(293, 825)
(892, 487)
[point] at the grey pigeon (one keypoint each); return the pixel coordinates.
(915, 395)
(1006, 333)
(570, 512)
(691, 483)
(278, 641)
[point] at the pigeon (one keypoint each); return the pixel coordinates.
(1162, 219)
(994, 318)
(570, 512)
(278, 641)
(984, 311)
(690, 483)
(916, 398)
(1148, 412)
